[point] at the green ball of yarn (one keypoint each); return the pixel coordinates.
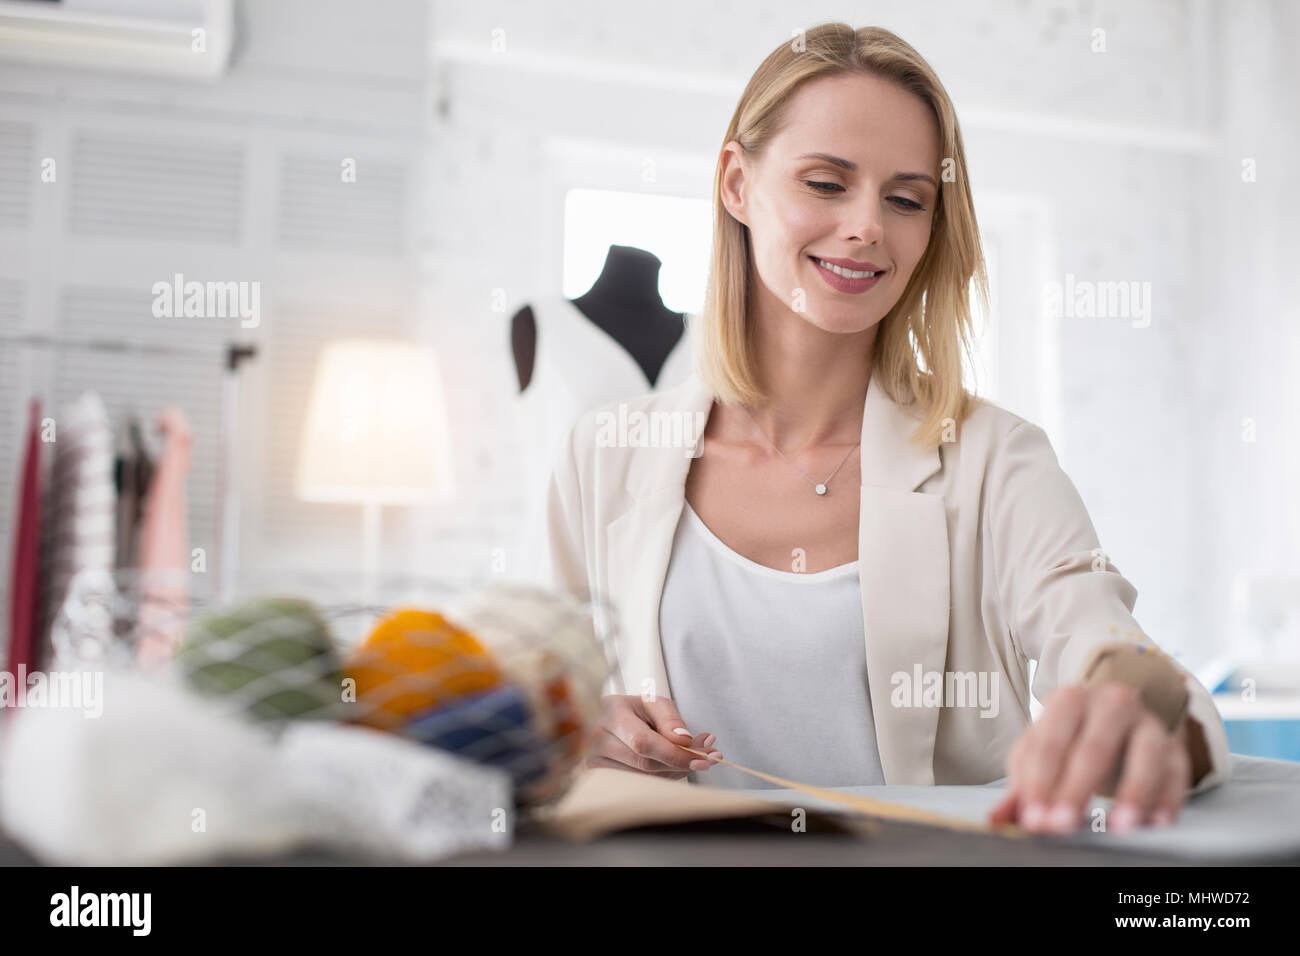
(273, 654)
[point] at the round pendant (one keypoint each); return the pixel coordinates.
(821, 489)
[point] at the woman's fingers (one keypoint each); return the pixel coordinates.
(598, 761)
(699, 743)
(661, 714)
(647, 743)
(1149, 766)
(1045, 752)
(644, 736)
(1170, 802)
(613, 748)
(1096, 751)
(1006, 810)
(1095, 740)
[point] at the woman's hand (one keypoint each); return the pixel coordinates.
(1095, 740)
(635, 735)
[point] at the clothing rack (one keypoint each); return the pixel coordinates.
(231, 355)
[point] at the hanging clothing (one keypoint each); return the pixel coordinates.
(24, 582)
(577, 365)
(82, 503)
(133, 471)
(164, 546)
(771, 662)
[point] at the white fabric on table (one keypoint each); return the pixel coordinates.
(165, 777)
(1256, 813)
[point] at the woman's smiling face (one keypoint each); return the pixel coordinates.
(851, 176)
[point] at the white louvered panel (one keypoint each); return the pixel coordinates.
(18, 173)
(298, 334)
(13, 431)
(156, 189)
(142, 383)
(318, 211)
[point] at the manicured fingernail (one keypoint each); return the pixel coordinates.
(1034, 814)
(700, 765)
(708, 741)
(1064, 818)
(715, 755)
(683, 731)
(1162, 817)
(1124, 818)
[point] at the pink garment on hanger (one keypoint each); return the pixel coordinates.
(24, 582)
(164, 546)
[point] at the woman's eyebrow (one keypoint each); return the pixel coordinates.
(853, 167)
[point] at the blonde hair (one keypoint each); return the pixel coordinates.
(917, 351)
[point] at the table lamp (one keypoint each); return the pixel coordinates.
(376, 433)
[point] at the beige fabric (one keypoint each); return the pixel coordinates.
(975, 557)
(1163, 687)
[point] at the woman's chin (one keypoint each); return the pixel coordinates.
(828, 321)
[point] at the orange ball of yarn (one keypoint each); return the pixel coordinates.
(566, 722)
(416, 660)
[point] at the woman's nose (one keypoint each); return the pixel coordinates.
(865, 222)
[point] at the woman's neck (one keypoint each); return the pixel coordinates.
(816, 380)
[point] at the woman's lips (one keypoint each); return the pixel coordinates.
(843, 283)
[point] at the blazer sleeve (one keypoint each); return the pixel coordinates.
(1062, 598)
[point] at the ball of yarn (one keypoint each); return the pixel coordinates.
(271, 656)
(494, 727)
(546, 645)
(415, 661)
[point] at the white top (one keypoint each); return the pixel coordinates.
(772, 662)
(577, 366)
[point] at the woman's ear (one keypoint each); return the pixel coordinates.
(733, 181)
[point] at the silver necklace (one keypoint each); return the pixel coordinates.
(819, 487)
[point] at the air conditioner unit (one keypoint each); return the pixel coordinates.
(180, 38)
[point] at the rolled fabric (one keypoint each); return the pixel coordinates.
(414, 661)
(360, 790)
(272, 657)
(1163, 687)
(494, 727)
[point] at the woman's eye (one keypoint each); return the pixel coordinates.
(903, 202)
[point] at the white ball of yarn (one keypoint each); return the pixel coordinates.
(538, 637)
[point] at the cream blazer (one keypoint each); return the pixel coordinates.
(975, 556)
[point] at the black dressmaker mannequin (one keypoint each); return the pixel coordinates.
(625, 303)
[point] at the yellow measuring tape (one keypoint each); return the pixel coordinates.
(875, 808)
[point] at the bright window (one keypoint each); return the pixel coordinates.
(676, 229)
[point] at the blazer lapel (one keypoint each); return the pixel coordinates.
(903, 568)
(639, 541)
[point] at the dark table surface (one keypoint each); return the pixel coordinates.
(757, 843)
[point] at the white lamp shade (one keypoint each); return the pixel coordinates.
(376, 427)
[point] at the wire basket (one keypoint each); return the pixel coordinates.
(503, 674)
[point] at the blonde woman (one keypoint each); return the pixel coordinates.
(841, 576)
